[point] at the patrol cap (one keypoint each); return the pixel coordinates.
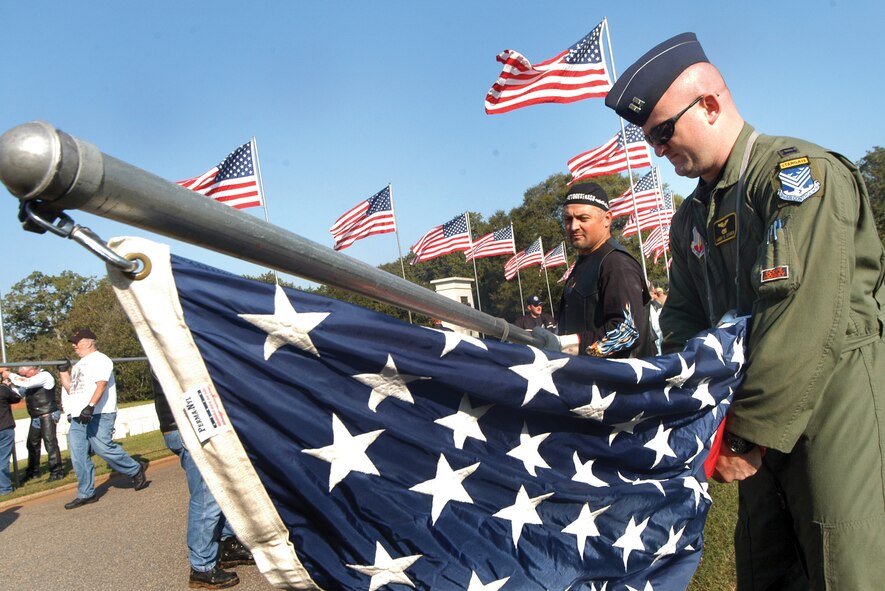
(83, 333)
(635, 94)
(588, 194)
(533, 301)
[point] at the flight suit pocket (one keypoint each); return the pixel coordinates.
(776, 272)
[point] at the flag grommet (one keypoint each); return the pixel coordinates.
(144, 265)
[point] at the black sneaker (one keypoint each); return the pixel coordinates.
(213, 579)
(80, 501)
(232, 552)
(139, 481)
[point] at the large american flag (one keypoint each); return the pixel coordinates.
(372, 216)
(394, 456)
(445, 239)
(493, 244)
(532, 255)
(233, 182)
(575, 74)
(555, 257)
(647, 196)
(611, 157)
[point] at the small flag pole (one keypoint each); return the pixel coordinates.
(263, 196)
(473, 260)
(626, 154)
(667, 241)
(399, 248)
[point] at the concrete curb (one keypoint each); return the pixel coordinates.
(73, 485)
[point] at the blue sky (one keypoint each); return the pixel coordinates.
(344, 97)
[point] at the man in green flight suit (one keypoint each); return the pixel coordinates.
(779, 229)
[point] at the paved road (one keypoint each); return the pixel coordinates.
(128, 540)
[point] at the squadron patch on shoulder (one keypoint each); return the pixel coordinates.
(725, 229)
(775, 273)
(797, 184)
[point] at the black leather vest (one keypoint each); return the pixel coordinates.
(39, 400)
(578, 305)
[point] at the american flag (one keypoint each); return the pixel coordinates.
(447, 238)
(555, 257)
(567, 272)
(651, 218)
(233, 182)
(496, 243)
(368, 454)
(611, 157)
(647, 196)
(532, 255)
(575, 74)
(372, 216)
(657, 241)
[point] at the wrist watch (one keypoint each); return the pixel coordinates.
(738, 445)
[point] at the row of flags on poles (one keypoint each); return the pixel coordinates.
(575, 74)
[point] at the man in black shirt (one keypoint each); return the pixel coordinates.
(603, 310)
(535, 315)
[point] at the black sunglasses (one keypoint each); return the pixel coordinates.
(661, 133)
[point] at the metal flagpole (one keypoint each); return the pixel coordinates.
(546, 278)
(50, 171)
(627, 157)
(666, 242)
(3, 349)
(263, 195)
(399, 248)
(473, 259)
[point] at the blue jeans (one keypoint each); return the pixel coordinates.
(7, 440)
(56, 416)
(97, 434)
(205, 521)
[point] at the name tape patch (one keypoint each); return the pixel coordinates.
(775, 273)
(725, 229)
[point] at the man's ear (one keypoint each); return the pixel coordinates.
(712, 107)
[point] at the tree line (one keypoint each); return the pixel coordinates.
(41, 311)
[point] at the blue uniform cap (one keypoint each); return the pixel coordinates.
(635, 94)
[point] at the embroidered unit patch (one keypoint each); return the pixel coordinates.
(797, 184)
(697, 243)
(775, 273)
(725, 229)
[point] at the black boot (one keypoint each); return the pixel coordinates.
(231, 552)
(213, 579)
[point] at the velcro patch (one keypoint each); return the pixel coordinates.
(775, 273)
(725, 229)
(797, 183)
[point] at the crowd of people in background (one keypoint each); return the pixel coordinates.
(89, 403)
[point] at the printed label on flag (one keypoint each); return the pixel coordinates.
(725, 229)
(205, 413)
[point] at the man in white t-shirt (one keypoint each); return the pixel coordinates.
(91, 407)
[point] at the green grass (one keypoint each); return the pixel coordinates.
(716, 571)
(147, 446)
(22, 413)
